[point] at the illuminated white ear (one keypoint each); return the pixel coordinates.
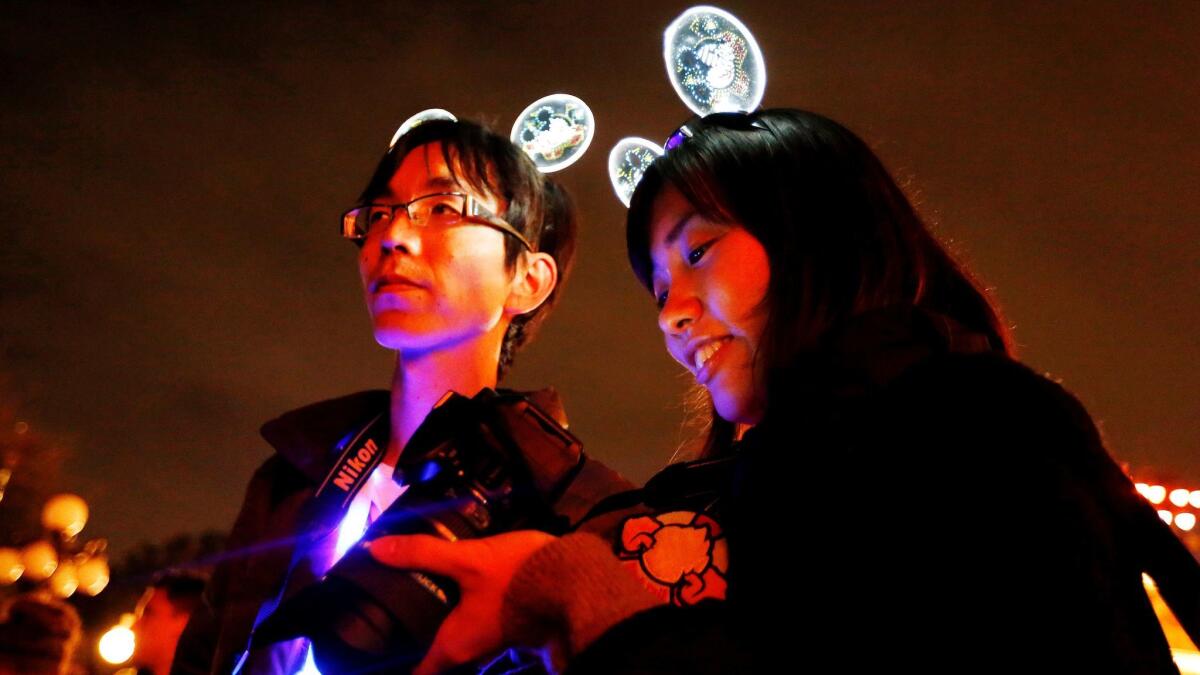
(713, 61)
(554, 131)
(415, 120)
(627, 163)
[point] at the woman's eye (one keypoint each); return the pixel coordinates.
(697, 253)
(660, 299)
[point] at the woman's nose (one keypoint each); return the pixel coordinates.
(680, 311)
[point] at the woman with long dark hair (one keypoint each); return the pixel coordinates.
(882, 482)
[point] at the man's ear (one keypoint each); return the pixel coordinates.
(535, 278)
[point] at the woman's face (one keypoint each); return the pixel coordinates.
(709, 280)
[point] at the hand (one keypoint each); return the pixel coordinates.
(482, 569)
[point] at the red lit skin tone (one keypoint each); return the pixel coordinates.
(709, 280)
(712, 278)
(442, 298)
(157, 629)
(482, 568)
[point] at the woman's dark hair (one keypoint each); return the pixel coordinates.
(489, 163)
(841, 236)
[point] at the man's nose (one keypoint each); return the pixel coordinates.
(401, 235)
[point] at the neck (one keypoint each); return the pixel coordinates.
(422, 379)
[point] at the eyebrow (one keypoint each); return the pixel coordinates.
(443, 182)
(677, 228)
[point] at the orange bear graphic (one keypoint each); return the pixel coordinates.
(680, 555)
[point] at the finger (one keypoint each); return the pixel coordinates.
(418, 551)
(434, 663)
(448, 650)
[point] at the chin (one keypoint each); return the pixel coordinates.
(402, 338)
(739, 409)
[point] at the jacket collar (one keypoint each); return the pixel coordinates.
(307, 437)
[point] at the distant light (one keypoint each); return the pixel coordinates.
(11, 567)
(1194, 499)
(93, 575)
(116, 646)
(64, 581)
(1166, 515)
(1143, 489)
(40, 560)
(1187, 661)
(1156, 494)
(1179, 497)
(66, 513)
(1185, 521)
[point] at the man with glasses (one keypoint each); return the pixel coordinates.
(463, 247)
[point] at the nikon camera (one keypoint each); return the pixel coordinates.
(475, 467)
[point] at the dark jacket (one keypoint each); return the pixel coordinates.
(279, 515)
(913, 500)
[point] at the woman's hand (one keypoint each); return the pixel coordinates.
(482, 569)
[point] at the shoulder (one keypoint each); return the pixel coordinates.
(992, 395)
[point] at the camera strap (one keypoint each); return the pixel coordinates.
(358, 458)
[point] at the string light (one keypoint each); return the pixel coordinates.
(1185, 521)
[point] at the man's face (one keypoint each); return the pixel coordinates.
(429, 288)
(157, 630)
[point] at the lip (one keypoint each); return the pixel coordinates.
(393, 281)
(704, 374)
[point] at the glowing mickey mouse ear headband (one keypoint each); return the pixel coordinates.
(554, 130)
(715, 65)
(714, 62)
(627, 163)
(416, 120)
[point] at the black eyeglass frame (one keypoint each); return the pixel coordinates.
(473, 212)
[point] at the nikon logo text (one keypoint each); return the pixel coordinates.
(352, 467)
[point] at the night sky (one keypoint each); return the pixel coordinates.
(172, 178)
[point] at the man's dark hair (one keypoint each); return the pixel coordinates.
(183, 589)
(536, 206)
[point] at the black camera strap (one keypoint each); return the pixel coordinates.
(357, 459)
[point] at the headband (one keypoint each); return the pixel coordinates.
(715, 65)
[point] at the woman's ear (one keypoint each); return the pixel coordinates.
(535, 278)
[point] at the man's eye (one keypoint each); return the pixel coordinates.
(378, 216)
(697, 253)
(444, 206)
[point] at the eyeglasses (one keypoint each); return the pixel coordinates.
(737, 121)
(441, 209)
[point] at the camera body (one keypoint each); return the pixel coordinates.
(476, 467)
